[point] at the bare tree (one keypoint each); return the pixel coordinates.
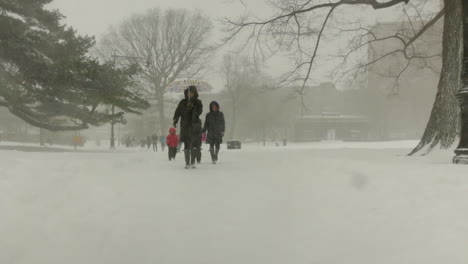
(255, 107)
(296, 23)
(297, 19)
(401, 46)
(242, 80)
(442, 126)
(168, 45)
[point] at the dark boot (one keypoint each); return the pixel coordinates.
(213, 156)
(216, 154)
(199, 154)
(187, 159)
(193, 157)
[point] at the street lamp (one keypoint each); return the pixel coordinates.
(114, 59)
(112, 143)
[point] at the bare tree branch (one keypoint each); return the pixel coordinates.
(169, 45)
(407, 42)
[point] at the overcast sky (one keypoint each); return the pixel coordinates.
(93, 17)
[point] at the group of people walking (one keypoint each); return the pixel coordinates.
(188, 112)
(153, 140)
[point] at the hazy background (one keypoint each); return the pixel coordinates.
(401, 117)
(94, 17)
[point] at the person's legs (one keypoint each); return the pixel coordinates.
(194, 151)
(187, 152)
(212, 152)
(199, 153)
(217, 148)
(193, 156)
(174, 152)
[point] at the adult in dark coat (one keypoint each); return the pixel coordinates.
(189, 111)
(215, 126)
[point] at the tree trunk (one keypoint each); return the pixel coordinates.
(442, 126)
(159, 94)
(162, 114)
(462, 150)
(112, 139)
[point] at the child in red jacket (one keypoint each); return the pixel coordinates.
(172, 141)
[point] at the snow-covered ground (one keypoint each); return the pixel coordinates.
(321, 203)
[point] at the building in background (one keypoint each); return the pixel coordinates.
(331, 127)
(379, 108)
(400, 109)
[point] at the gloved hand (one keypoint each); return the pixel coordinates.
(222, 134)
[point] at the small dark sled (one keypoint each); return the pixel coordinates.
(234, 144)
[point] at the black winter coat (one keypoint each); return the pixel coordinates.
(189, 111)
(214, 125)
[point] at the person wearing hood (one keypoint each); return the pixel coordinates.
(188, 111)
(214, 126)
(172, 141)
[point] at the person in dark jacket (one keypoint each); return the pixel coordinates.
(149, 141)
(154, 140)
(214, 126)
(189, 111)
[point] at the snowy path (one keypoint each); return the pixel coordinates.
(362, 205)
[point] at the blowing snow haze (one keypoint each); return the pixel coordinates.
(138, 139)
(102, 14)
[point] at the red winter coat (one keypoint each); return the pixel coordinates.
(172, 141)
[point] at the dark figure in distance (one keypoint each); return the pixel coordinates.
(128, 142)
(154, 141)
(148, 142)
